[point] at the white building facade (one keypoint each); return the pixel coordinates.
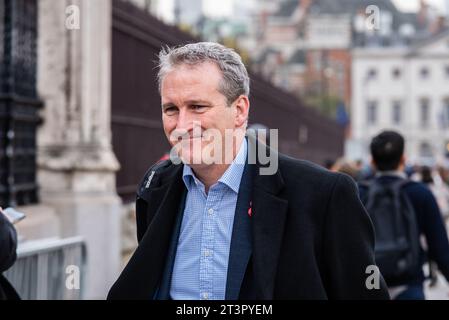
(403, 89)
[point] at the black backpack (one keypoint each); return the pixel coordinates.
(397, 238)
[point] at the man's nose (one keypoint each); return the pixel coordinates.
(185, 121)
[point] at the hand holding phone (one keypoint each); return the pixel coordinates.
(12, 214)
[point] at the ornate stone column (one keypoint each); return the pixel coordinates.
(76, 164)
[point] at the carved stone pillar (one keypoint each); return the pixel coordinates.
(76, 164)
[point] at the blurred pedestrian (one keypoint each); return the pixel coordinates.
(402, 211)
(426, 176)
(328, 163)
(345, 166)
(439, 189)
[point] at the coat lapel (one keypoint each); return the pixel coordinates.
(268, 221)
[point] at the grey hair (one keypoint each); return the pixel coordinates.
(235, 80)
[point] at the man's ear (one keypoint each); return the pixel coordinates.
(402, 162)
(373, 164)
(242, 110)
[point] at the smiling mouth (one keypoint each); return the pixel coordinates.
(191, 138)
(188, 140)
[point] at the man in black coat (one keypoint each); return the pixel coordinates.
(8, 245)
(297, 231)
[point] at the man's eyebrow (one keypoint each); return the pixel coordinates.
(190, 102)
(167, 105)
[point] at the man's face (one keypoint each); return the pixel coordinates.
(192, 104)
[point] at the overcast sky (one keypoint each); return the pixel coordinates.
(224, 7)
(219, 8)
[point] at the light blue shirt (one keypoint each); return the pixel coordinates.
(201, 263)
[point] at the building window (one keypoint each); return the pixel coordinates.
(396, 73)
(445, 115)
(424, 106)
(424, 73)
(372, 112)
(425, 150)
(371, 74)
(446, 71)
(397, 112)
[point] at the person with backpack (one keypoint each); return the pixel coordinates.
(402, 212)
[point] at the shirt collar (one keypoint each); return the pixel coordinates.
(231, 177)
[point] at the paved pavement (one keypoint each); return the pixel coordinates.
(440, 291)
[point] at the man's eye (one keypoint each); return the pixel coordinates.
(170, 110)
(198, 108)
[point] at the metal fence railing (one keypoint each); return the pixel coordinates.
(49, 269)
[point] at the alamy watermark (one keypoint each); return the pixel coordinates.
(72, 281)
(373, 280)
(372, 21)
(211, 146)
(72, 20)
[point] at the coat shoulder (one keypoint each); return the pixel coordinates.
(312, 179)
(155, 175)
(306, 171)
